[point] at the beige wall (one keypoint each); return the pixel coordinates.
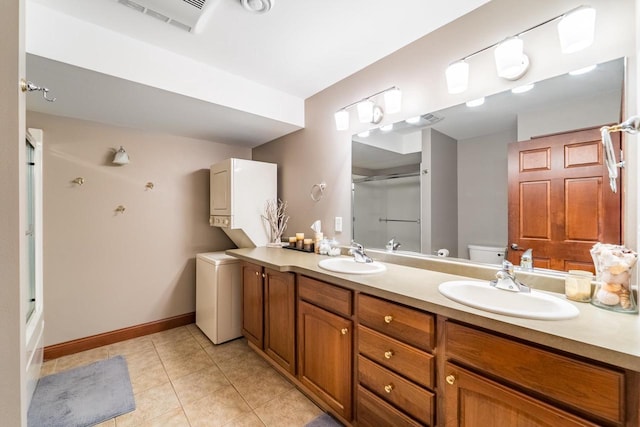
(12, 206)
(319, 152)
(102, 270)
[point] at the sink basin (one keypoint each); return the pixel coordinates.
(534, 305)
(349, 266)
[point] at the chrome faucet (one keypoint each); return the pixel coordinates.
(357, 250)
(526, 260)
(506, 279)
(392, 245)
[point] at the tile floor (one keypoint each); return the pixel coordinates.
(180, 378)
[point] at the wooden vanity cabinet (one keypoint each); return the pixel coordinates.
(253, 304)
(396, 365)
(491, 379)
(268, 318)
(325, 343)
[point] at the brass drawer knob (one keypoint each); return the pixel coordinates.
(388, 318)
(257, 274)
(388, 354)
(388, 388)
(344, 331)
(264, 275)
(450, 379)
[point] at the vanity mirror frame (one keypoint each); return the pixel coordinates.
(628, 210)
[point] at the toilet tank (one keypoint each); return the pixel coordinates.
(487, 254)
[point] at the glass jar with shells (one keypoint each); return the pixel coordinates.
(614, 272)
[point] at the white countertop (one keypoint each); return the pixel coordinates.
(598, 334)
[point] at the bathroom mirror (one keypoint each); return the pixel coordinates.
(441, 182)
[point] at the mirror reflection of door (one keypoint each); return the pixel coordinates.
(560, 203)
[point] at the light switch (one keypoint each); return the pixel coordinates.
(338, 224)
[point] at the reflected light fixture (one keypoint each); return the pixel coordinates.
(523, 88)
(364, 134)
(413, 120)
(121, 157)
(475, 102)
(584, 70)
(368, 110)
(387, 128)
(576, 30)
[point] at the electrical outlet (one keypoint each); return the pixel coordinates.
(338, 224)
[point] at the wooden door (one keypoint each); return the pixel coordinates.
(472, 400)
(560, 203)
(252, 303)
(325, 356)
(280, 305)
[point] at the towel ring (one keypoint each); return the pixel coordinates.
(317, 191)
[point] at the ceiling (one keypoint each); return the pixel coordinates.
(297, 49)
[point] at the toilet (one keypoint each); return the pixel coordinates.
(487, 254)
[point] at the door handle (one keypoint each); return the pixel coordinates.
(515, 247)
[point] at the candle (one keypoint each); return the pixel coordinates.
(299, 240)
(307, 244)
(577, 285)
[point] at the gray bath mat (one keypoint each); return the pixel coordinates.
(324, 420)
(83, 396)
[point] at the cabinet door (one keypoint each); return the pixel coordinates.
(280, 305)
(252, 303)
(472, 400)
(325, 354)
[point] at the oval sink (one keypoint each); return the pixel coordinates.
(349, 266)
(534, 305)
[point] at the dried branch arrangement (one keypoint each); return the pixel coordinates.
(275, 214)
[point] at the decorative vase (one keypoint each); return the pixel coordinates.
(614, 265)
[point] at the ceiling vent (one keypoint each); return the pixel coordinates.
(183, 14)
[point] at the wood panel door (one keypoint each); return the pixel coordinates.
(325, 356)
(252, 304)
(472, 400)
(560, 203)
(280, 317)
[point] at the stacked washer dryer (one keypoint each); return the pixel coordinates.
(239, 191)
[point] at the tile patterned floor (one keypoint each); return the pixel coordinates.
(180, 378)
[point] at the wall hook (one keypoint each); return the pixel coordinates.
(149, 185)
(120, 209)
(79, 180)
(27, 86)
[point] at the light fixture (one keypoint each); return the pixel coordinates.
(576, 29)
(387, 128)
(582, 70)
(342, 119)
(368, 110)
(457, 76)
(121, 157)
(393, 100)
(475, 102)
(364, 134)
(257, 6)
(523, 88)
(413, 120)
(511, 62)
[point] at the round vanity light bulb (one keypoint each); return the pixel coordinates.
(387, 128)
(457, 77)
(413, 120)
(576, 29)
(582, 70)
(364, 134)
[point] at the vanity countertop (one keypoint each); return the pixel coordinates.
(598, 334)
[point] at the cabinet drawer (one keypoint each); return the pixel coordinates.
(594, 389)
(405, 324)
(407, 361)
(328, 296)
(375, 412)
(405, 395)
